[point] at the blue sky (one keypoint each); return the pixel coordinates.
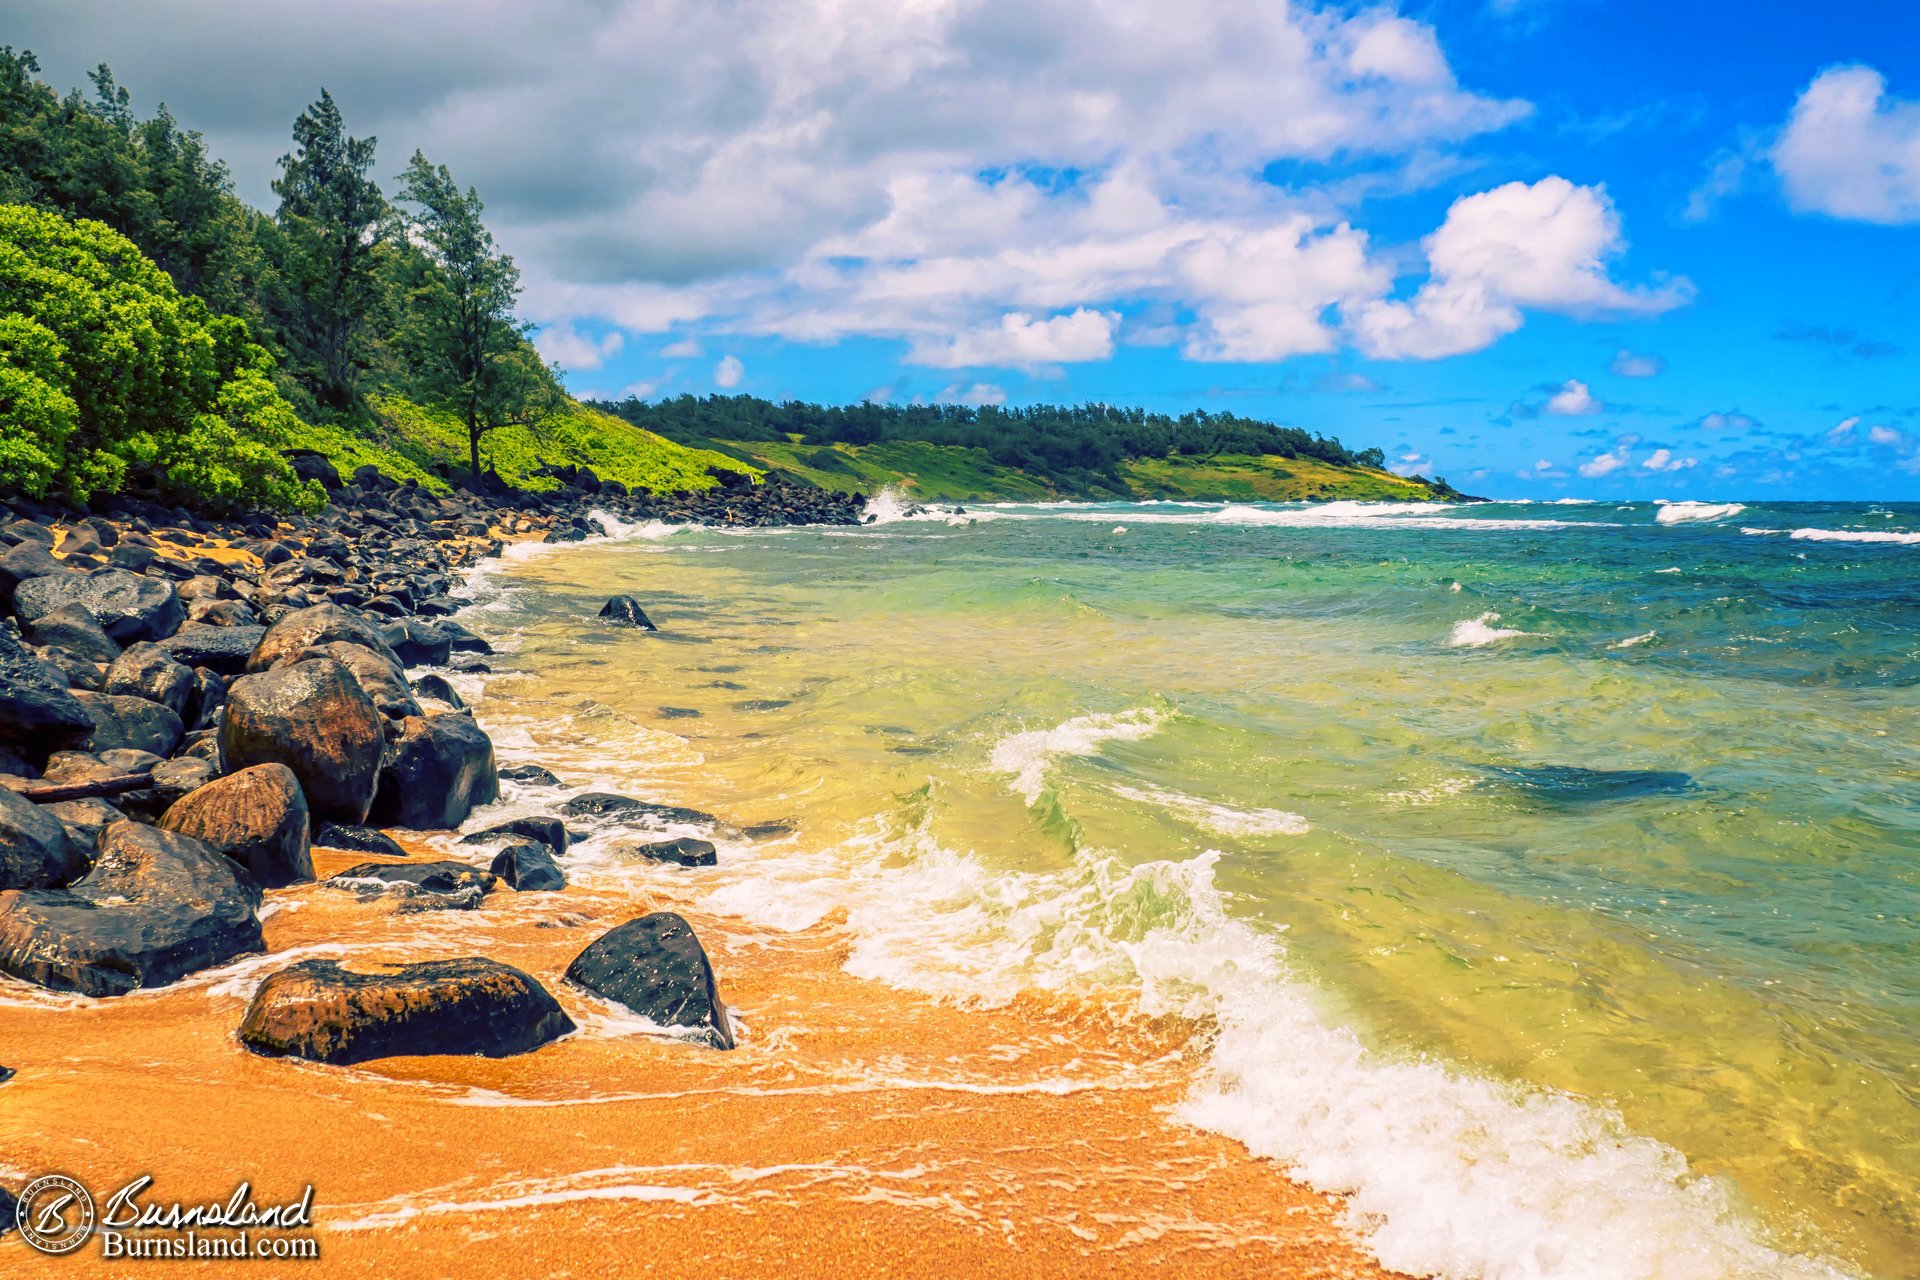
(1541, 247)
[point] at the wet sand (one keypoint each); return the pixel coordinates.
(858, 1130)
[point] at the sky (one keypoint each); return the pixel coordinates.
(1542, 248)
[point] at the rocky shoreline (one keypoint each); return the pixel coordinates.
(189, 706)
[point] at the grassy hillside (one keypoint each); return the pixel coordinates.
(414, 442)
(950, 473)
(1247, 478)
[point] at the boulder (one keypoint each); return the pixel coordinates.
(173, 781)
(340, 835)
(207, 701)
(35, 850)
(314, 718)
(85, 820)
(38, 713)
(625, 809)
(156, 907)
(128, 606)
(440, 767)
(147, 671)
(323, 1012)
(625, 611)
(23, 562)
(419, 643)
(73, 628)
(528, 867)
(257, 817)
(309, 465)
(222, 613)
(420, 886)
(656, 967)
(530, 775)
(221, 649)
(124, 722)
(548, 831)
(683, 852)
(314, 626)
(384, 681)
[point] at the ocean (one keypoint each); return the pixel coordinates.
(1543, 878)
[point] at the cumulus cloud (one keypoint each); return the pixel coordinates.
(825, 168)
(1573, 400)
(1542, 246)
(684, 349)
(1633, 364)
(1663, 460)
(575, 350)
(1883, 435)
(728, 372)
(1842, 431)
(1411, 463)
(1851, 150)
(1022, 341)
(1604, 464)
(978, 394)
(1730, 420)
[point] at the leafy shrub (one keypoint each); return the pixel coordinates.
(111, 380)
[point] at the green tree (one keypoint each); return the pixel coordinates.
(110, 379)
(473, 353)
(332, 223)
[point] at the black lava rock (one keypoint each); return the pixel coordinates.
(656, 967)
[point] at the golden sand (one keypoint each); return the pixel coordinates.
(858, 1130)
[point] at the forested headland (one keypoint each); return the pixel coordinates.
(161, 337)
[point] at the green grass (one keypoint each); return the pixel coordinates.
(928, 472)
(409, 441)
(947, 473)
(1247, 478)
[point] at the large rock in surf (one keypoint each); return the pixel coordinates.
(530, 775)
(122, 723)
(318, 625)
(548, 831)
(341, 835)
(156, 907)
(685, 852)
(323, 1012)
(439, 769)
(257, 817)
(314, 718)
(627, 810)
(418, 886)
(35, 850)
(419, 643)
(527, 867)
(656, 967)
(38, 713)
(625, 611)
(128, 606)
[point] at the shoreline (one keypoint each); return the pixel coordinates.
(1007, 1207)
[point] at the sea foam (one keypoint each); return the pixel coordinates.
(1475, 633)
(1680, 512)
(1027, 757)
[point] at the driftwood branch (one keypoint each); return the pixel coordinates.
(52, 793)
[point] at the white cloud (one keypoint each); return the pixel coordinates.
(1663, 460)
(1573, 400)
(641, 390)
(1852, 150)
(1728, 421)
(978, 394)
(1411, 463)
(1605, 464)
(1542, 245)
(1842, 432)
(574, 350)
(1632, 364)
(1883, 435)
(684, 349)
(1021, 341)
(728, 372)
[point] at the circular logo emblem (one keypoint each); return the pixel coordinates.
(55, 1214)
